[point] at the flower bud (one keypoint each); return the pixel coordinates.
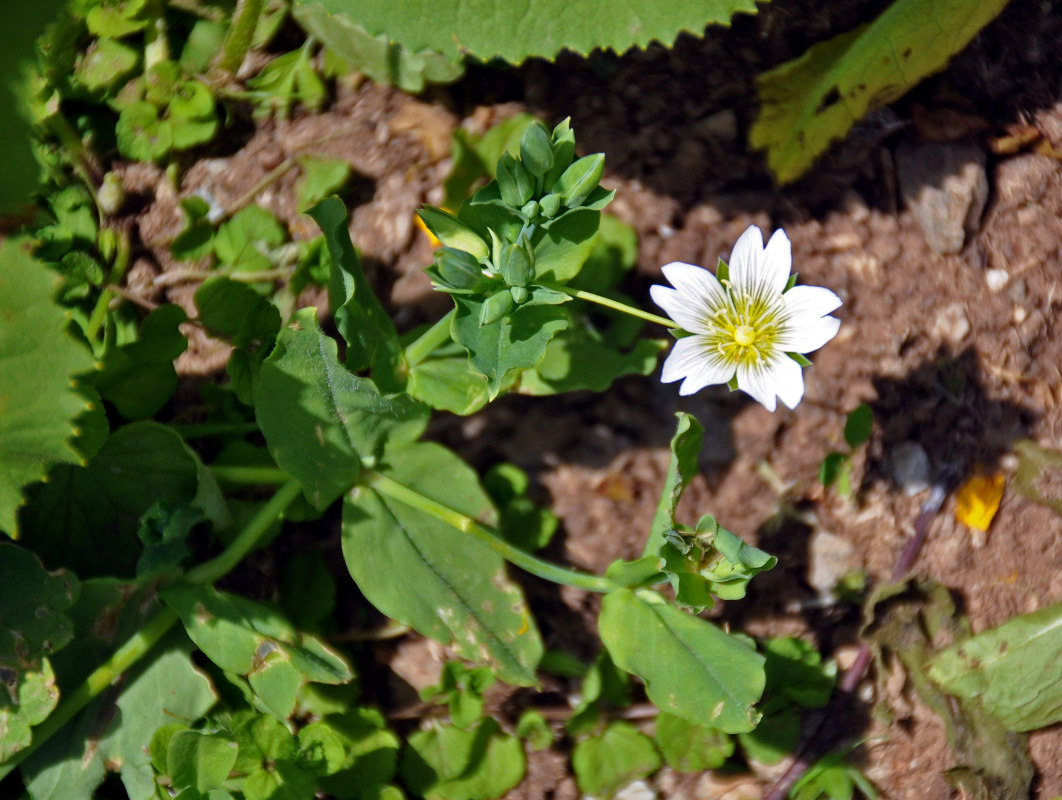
(519, 294)
(536, 149)
(550, 205)
(111, 194)
(495, 307)
(580, 179)
(563, 152)
(515, 183)
(458, 268)
(518, 263)
(530, 210)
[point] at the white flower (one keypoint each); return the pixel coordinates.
(746, 324)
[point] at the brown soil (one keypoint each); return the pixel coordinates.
(949, 354)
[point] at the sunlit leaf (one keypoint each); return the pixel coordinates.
(605, 763)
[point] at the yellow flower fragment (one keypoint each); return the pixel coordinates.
(977, 500)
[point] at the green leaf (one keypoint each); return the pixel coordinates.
(164, 531)
(139, 378)
(307, 589)
(243, 241)
(237, 312)
(198, 760)
(690, 667)
(1014, 670)
(372, 342)
(320, 177)
(37, 406)
(70, 765)
(106, 66)
(813, 100)
(833, 468)
(605, 763)
(249, 639)
(776, 736)
(521, 522)
(453, 587)
(33, 624)
(447, 763)
(565, 244)
(795, 671)
(449, 230)
(377, 57)
(859, 426)
(449, 383)
(688, 747)
(546, 26)
(141, 134)
(685, 448)
(118, 18)
(87, 517)
(514, 342)
(533, 728)
(371, 754)
(319, 419)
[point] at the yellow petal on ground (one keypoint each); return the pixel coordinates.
(431, 236)
(978, 500)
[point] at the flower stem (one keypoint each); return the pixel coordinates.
(241, 34)
(433, 338)
(121, 264)
(256, 476)
(524, 560)
(608, 302)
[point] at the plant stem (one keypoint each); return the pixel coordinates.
(255, 476)
(433, 338)
(525, 561)
(239, 37)
(121, 264)
(104, 675)
(247, 538)
(607, 302)
(201, 431)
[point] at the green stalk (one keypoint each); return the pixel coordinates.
(525, 561)
(607, 302)
(247, 538)
(121, 264)
(155, 628)
(433, 338)
(240, 36)
(255, 476)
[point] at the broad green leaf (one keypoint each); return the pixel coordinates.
(243, 241)
(449, 230)
(514, 342)
(139, 378)
(307, 589)
(776, 736)
(859, 426)
(521, 521)
(685, 448)
(199, 760)
(319, 419)
(689, 747)
(381, 60)
(371, 754)
(87, 517)
(564, 246)
(462, 688)
(690, 667)
(38, 404)
(605, 763)
(795, 671)
(444, 583)
(544, 27)
(141, 134)
(249, 639)
(533, 729)
(1014, 670)
(24, 705)
(449, 383)
(165, 689)
(372, 342)
(576, 358)
(814, 99)
(447, 763)
(105, 67)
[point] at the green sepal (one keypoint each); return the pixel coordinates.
(578, 180)
(536, 149)
(800, 358)
(515, 183)
(454, 233)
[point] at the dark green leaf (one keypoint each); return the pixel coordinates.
(447, 763)
(521, 521)
(164, 531)
(685, 448)
(795, 671)
(858, 426)
(775, 737)
(833, 468)
(371, 754)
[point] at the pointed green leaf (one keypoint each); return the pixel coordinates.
(319, 419)
(1014, 670)
(87, 517)
(690, 667)
(421, 571)
(685, 448)
(372, 342)
(37, 404)
(511, 343)
(545, 26)
(814, 99)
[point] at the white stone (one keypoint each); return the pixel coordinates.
(910, 467)
(996, 279)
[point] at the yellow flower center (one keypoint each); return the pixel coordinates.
(744, 335)
(747, 328)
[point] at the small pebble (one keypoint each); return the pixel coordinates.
(951, 324)
(636, 790)
(910, 467)
(996, 279)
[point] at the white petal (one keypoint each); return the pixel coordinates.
(809, 335)
(754, 382)
(812, 301)
(693, 360)
(760, 272)
(788, 378)
(696, 295)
